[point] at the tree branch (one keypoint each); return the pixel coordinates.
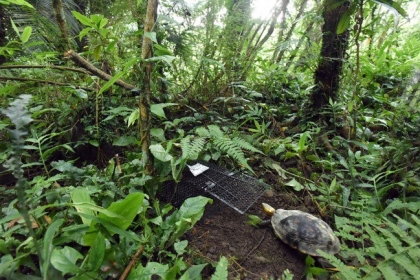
(4, 78)
(95, 71)
(62, 68)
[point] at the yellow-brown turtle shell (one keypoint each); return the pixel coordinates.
(303, 231)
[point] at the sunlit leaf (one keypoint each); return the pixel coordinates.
(26, 34)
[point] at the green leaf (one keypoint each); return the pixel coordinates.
(65, 260)
(124, 141)
(96, 253)
(17, 2)
(48, 244)
(157, 109)
(158, 133)
(160, 153)
(295, 185)
(134, 116)
(126, 209)
(84, 32)
(151, 36)
(112, 81)
(81, 195)
(83, 19)
(180, 246)
(221, 272)
(15, 27)
(344, 22)
(164, 58)
(393, 6)
(161, 50)
(146, 273)
(397, 204)
(26, 34)
(193, 272)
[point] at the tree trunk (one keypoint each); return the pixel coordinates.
(145, 95)
(327, 75)
(64, 44)
(3, 40)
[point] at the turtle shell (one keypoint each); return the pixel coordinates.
(304, 232)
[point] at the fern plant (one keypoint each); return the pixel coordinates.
(208, 139)
(223, 143)
(386, 247)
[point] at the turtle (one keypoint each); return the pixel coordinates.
(303, 231)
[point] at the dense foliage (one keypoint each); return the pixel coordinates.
(78, 199)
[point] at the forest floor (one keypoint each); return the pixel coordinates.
(253, 253)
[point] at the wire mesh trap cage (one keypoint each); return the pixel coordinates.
(235, 189)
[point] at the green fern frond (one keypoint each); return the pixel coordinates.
(346, 272)
(215, 131)
(245, 145)
(203, 132)
(192, 149)
(231, 149)
(391, 248)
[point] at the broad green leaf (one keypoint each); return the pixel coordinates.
(65, 260)
(160, 153)
(26, 34)
(81, 195)
(295, 185)
(96, 208)
(151, 36)
(344, 22)
(180, 246)
(158, 133)
(126, 209)
(221, 272)
(84, 32)
(193, 272)
(96, 253)
(157, 109)
(83, 19)
(161, 50)
(103, 22)
(48, 244)
(17, 2)
(146, 273)
(164, 58)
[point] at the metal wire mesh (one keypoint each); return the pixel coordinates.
(235, 189)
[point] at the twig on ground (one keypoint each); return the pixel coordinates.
(132, 263)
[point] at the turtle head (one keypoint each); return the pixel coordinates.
(268, 209)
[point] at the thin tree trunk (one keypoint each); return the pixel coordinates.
(291, 29)
(3, 40)
(64, 44)
(327, 75)
(145, 95)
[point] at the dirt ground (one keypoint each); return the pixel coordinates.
(253, 253)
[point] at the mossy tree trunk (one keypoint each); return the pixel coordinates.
(327, 75)
(145, 94)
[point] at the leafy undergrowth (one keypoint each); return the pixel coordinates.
(76, 221)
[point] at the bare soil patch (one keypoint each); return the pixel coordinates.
(253, 253)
